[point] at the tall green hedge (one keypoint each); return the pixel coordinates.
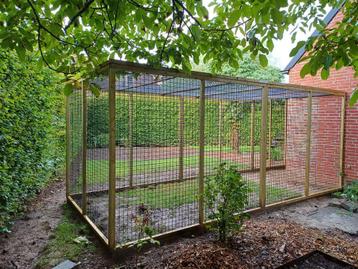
(31, 131)
(155, 121)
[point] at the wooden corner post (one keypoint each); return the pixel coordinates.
(181, 137)
(68, 145)
(341, 148)
(252, 136)
(112, 160)
(308, 144)
(263, 149)
(201, 152)
(84, 149)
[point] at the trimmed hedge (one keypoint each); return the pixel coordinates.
(31, 131)
(155, 121)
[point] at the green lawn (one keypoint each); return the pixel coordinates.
(243, 149)
(175, 194)
(100, 167)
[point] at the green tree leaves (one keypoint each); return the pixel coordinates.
(263, 60)
(354, 98)
(299, 45)
(76, 36)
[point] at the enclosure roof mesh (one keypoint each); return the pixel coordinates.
(187, 87)
(160, 81)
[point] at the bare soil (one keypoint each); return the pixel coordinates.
(31, 232)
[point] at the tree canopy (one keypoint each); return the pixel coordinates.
(247, 68)
(73, 37)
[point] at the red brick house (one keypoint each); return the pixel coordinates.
(342, 80)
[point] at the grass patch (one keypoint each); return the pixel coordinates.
(147, 166)
(62, 245)
(274, 194)
(172, 195)
(228, 149)
(168, 195)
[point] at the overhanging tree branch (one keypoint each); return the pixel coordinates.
(79, 13)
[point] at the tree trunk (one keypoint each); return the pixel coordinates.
(235, 137)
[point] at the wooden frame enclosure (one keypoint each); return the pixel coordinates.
(123, 165)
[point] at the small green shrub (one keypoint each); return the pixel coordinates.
(145, 229)
(350, 191)
(226, 195)
(277, 154)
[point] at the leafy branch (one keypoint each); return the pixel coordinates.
(79, 13)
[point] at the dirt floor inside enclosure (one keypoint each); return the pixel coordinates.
(172, 206)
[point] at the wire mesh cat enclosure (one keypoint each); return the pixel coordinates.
(142, 149)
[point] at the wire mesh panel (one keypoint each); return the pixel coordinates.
(75, 151)
(156, 156)
(97, 165)
(287, 138)
(325, 143)
(236, 142)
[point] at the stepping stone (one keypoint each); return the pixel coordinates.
(67, 264)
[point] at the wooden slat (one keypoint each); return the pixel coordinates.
(112, 162)
(92, 225)
(263, 151)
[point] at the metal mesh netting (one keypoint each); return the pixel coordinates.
(97, 163)
(325, 143)
(75, 150)
(286, 145)
(157, 147)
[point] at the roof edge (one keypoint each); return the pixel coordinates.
(329, 17)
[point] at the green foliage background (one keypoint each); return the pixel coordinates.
(31, 131)
(155, 121)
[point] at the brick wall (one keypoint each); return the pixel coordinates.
(342, 80)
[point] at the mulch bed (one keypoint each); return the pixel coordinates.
(266, 243)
